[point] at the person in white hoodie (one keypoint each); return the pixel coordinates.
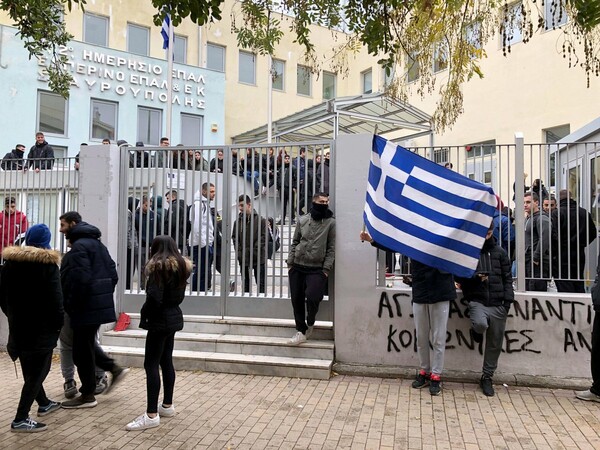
(202, 238)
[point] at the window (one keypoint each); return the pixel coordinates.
(215, 57)
(95, 29)
(329, 85)
(552, 135)
(412, 68)
(304, 81)
(52, 113)
(555, 14)
(247, 71)
(440, 57)
(367, 81)
(180, 49)
(481, 149)
(103, 123)
(60, 152)
(149, 128)
(138, 39)
(388, 79)
(278, 73)
(191, 129)
(441, 155)
(511, 30)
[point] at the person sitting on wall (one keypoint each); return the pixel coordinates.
(13, 160)
(490, 294)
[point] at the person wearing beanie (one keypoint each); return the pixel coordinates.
(35, 317)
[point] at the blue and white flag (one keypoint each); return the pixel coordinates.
(425, 211)
(165, 30)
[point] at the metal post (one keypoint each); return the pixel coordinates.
(519, 212)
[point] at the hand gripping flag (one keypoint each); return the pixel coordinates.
(422, 210)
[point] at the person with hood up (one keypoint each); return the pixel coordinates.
(41, 155)
(13, 160)
(35, 317)
(310, 261)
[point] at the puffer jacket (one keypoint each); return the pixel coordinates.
(249, 238)
(430, 285)
(497, 289)
(88, 275)
(313, 244)
(31, 297)
(41, 156)
(161, 311)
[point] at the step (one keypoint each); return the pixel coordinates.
(231, 363)
(228, 343)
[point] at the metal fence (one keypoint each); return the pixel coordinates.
(566, 180)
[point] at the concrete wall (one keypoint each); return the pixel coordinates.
(546, 334)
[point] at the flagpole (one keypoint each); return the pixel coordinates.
(270, 100)
(170, 80)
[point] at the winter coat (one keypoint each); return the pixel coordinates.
(504, 231)
(596, 288)
(13, 160)
(431, 285)
(497, 289)
(216, 165)
(202, 222)
(323, 176)
(287, 178)
(88, 275)
(139, 158)
(11, 226)
(31, 297)
(41, 156)
(573, 230)
(249, 238)
(538, 241)
(161, 311)
(313, 244)
(180, 225)
(144, 225)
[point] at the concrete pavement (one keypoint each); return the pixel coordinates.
(224, 411)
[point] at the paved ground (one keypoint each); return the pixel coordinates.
(224, 411)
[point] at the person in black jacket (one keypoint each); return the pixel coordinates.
(88, 277)
(13, 160)
(286, 182)
(41, 155)
(167, 273)
(573, 229)
(35, 316)
(490, 294)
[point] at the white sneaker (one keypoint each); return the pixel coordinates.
(143, 422)
(166, 412)
(297, 339)
(309, 331)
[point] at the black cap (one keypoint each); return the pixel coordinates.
(139, 144)
(122, 142)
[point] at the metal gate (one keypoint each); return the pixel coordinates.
(168, 191)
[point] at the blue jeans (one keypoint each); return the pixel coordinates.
(202, 258)
(255, 178)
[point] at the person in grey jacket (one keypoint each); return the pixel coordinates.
(310, 261)
(537, 244)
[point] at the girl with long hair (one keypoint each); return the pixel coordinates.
(166, 278)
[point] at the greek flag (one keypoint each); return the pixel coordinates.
(422, 210)
(165, 30)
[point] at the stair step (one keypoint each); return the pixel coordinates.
(231, 363)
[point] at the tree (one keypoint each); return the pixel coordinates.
(419, 36)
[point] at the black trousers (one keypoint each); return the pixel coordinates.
(159, 352)
(87, 354)
(287, 196)
(306, 285)
(35, 366)
(260, 276)
(595, 362)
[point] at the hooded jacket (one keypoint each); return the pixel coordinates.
(31, 297)
(313, 244)
(88, 276)
(161, 311)
(13, 160)
(41, 156)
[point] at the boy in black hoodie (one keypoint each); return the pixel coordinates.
(490, 294)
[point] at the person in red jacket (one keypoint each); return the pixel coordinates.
(13, 223)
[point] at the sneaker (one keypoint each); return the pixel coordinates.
(264, 190)
(588, 396)
(435, 385)
(27, 426)
(231, 286)
(101, 385)
(83, 401)
(486, 386)
(421, 381)
(477, 337)
(166, 412)
(70, 388)
(118, 374)
(297, 339)
(49, 408)
(309, 331)
(143, 422)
